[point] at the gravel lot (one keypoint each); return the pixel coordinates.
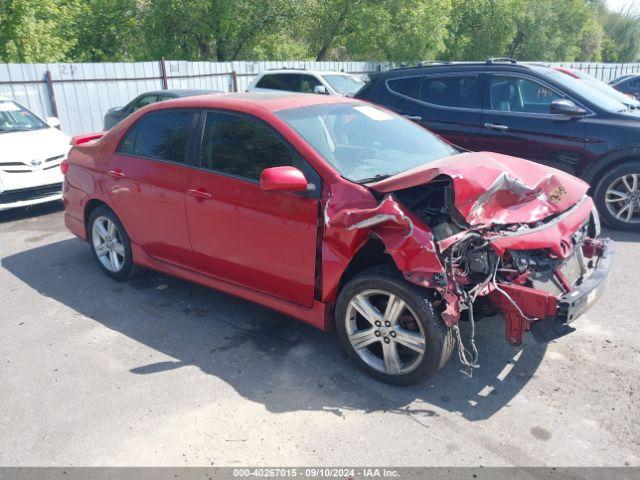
(158, 371)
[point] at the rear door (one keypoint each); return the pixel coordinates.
(517, 121)
(448, 104)
(147, 180)
(262, 240)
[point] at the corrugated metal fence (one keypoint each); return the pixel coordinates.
(80, 93)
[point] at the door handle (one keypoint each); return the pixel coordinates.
(494, 126)
(116, 173)
(415, 118)
(199, 193)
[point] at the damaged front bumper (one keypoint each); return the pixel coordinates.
(548, 316)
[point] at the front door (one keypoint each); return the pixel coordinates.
(517, 121)
(240, 233)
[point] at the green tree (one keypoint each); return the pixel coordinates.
(399, 30)
(550, 30)
(480, 29)
(622, 31)
(35, 30)
(106, 31)
(220, 30)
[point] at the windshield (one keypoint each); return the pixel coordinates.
(344, 84)
(15, 118)
(588, 92)
(365, 143)
(607, 89)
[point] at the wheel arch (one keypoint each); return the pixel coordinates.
(89, 209)
(618, 157)
(371, 254)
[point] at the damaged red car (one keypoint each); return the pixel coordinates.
(343, 215)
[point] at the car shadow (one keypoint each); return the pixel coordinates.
(619, 236)
(266, 357)
(24, 213)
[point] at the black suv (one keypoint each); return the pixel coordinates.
(527, 111)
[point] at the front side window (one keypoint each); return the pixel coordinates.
(15, 118)
(344, 84)
(513, 94)
(365, 143)
(161, 136)
(239, 146)
(307, 83)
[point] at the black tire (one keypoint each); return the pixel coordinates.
(128, 269)
(608, 179)
(439, 340)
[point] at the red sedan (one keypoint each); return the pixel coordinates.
(340, 214)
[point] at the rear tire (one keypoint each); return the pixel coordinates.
(110, 244)
(617, 197)
(400, 318)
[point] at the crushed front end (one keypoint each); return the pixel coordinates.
(491, 233)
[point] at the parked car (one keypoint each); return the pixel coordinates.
(629, 85)
(601, 86)
(307, 81)
(31, 151)
(114, 115)
(528, 111)
(340, 214)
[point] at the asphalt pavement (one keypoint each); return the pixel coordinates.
(159, 371)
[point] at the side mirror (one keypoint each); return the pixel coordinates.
(283, 179)
(53, 122)
(320, 89)
(566, 107)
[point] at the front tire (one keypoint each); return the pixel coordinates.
(617, 197)
(110, 244)
(390, 328)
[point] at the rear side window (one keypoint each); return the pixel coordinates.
(453, 91)
(406, 86)
(293, 82)
(277, 82)
(239, 146)
(161, 136)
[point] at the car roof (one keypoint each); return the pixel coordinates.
(443, 67)
(180, 92)
(270, 101)
(303, 71)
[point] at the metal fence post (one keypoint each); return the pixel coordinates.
(163, 71)
(234, 80)
(52, 94)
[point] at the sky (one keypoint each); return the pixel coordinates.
(617, 5)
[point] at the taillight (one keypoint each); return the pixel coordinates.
(64, 166)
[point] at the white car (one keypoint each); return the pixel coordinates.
(31, 151)
(307, 81)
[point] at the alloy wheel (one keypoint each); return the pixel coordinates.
(108, 244)
(384, 332)
(622, 198)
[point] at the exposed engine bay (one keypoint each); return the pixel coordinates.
(495, 244)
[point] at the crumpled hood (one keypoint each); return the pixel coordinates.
(490, 188)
